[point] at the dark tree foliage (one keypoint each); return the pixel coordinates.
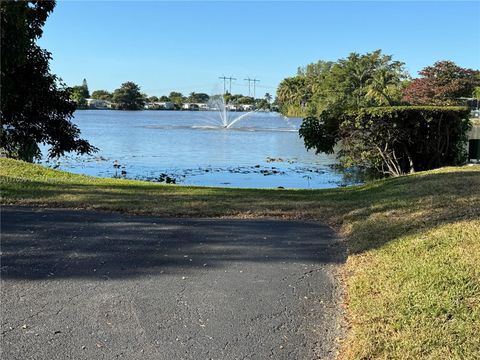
(262, 104)
(128, 97)
(320, 134)
(198, 98)
(35, 106)
(102, 95)
(402, 139)
(177, 98)
(441, 84)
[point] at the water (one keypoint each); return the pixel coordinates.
(261, 150)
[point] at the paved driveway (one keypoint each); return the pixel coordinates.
(87, 285)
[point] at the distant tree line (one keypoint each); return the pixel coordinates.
(129, 97)
(382, 119)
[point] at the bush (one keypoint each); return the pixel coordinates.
(401, 139)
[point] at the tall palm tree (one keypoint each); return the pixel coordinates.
(383, 86)
(268, 97)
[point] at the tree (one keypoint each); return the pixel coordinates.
(177, 98)
(302, 94)
(153, 99)
(102, 95)
(228, 98)
(293, 95)
(85, 87)
(476, 92)
(245, 100)
(315, 75)
(385, 87)
(268, 97)
(441, 84)
(262, 104)
(359, 81)
(35, 105)
(164, 98)
(80, 94)
(128, 97)
(201, 98)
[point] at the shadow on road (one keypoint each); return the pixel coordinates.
(56, 243)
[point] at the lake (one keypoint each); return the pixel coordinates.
(262, 150)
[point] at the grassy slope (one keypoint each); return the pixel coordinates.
(413, 272)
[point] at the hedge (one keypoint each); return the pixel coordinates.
(401, 139)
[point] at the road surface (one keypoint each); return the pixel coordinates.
(94, 285)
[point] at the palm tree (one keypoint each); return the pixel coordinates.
(383, 86)
(268, 97)
(285, 91)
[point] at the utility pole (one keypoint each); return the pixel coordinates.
(249, 80)
(254, 81)
(224, 78)
(231, 78)
(254, 85)
(224, 82)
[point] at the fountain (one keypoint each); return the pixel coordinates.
(217, 103)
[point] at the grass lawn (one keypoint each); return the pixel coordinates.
(413, 272)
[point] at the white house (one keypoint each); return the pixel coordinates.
(167, 105)
(98, 104)
(159, 105)
(231, 107)
(248, 107)
(190, 106)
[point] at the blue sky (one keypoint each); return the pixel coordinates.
(186, 46)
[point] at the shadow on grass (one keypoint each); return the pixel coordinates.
(411, 205)
(55, 243)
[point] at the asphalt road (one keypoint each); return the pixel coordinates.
(89, 285)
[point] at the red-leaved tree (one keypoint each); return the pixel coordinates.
(441, 84)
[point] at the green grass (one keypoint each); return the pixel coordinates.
(413, 273)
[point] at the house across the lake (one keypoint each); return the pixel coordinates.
(190, 106)
(247, 107)
(98, 104)
(159, 105)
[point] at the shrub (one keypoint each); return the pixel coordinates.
(401, 139)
